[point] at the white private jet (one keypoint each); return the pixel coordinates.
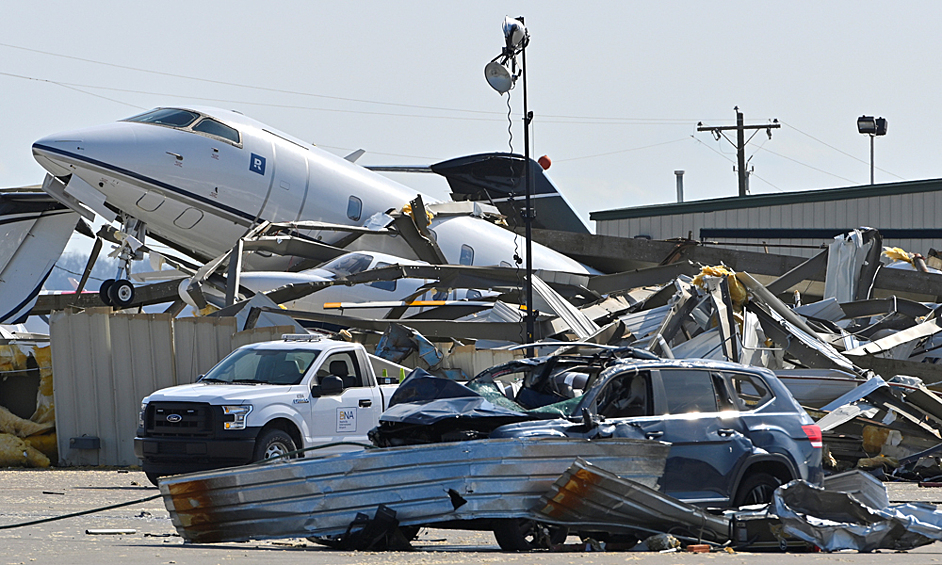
(199, 179)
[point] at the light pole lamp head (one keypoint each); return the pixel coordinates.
(866, 125)
(501, 72)
(498, 77)
(880, 126)
(515, 33)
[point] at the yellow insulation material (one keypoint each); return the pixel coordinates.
(14, 452)
(45, 444)
(737, 292)
(897, 254)
(12, 358)
(407, 209)
(10, 423)
(45, 406)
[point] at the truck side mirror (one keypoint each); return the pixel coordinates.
(331, 384)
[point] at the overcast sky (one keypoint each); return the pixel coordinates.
(617, 88)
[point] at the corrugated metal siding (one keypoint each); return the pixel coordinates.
(103, 364)
(885, 212)
(256, 335)
(200, 343)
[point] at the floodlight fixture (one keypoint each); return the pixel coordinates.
(868, 125)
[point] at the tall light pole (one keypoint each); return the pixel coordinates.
(873, 127)
(502, 79)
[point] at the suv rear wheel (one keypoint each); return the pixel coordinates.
(756, 488)
(273, 444)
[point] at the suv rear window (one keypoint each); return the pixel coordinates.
(750, 391)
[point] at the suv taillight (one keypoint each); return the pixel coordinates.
(814, 434)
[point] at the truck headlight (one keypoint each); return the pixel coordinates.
(140, 422)
(238, 415)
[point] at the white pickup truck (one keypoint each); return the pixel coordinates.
(265, 400)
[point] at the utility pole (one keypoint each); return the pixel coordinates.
(740, 144)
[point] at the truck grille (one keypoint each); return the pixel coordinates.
(179, 419)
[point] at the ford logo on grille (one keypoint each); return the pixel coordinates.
(174, 418)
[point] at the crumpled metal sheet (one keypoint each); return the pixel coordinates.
(425, 484)
(838, 520)
(589, 498)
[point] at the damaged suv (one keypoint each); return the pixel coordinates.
(736, 433)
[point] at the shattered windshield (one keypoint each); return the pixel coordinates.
(262, 366)
(492, 393)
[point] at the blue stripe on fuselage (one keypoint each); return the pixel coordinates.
(208, 202)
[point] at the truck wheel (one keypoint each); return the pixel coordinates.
(273, 444)
(756, 488)
(527, 535)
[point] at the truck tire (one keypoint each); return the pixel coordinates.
(272, 444)
(526, 535)
(756, 488)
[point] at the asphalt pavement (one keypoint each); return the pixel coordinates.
(31, 494)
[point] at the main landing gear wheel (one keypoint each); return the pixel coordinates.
(121, 293)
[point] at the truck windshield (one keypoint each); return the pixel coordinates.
(265, 366)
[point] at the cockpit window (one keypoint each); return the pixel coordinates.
(348, 264)
(188, 120)
(218, 129)
(166, 117)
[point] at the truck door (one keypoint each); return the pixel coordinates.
(347, 416)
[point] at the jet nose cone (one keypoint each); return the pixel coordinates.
(53, 152)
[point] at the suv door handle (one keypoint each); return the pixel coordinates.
(365, 403)
(653, 435)
(726, 432)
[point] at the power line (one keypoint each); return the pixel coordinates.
(562, 118)
(809, 166)
(620, 151)
(854, 157)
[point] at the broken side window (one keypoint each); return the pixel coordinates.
(689, 391)
(751, 392)
(724, 399)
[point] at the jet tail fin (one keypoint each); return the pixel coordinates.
(497, 178)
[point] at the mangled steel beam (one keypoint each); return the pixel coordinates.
(919, 331)
(659, 275)
(929, 373)
(591, 499)
(805, 271)
(440, 329)
(612, 254)
(684, 302)
(578, 322)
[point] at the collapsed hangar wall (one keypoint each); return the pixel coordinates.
(906, 214)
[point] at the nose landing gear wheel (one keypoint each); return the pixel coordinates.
(121, 293)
